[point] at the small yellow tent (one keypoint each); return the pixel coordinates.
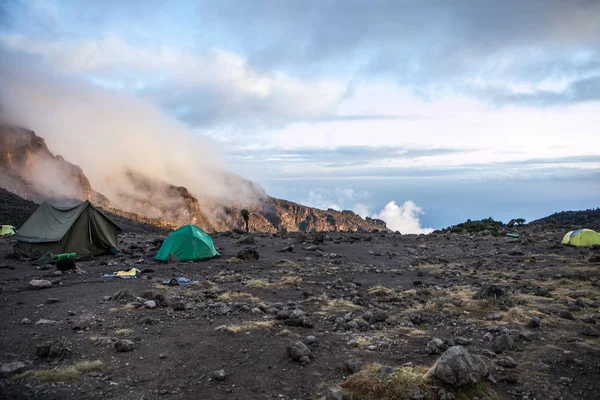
(582, 237)
(7, 230)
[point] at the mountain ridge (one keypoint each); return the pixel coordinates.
(29, 169)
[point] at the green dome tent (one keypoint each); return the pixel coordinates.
(582, 237)
(187, 243)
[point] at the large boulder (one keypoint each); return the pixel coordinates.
(456, 367)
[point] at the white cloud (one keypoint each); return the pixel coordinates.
(404, 218)
(362, 210)
(213, 85)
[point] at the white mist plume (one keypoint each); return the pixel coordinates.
(404, 218)
(107, 132)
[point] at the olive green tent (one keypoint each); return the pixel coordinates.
(187, 243)
(582, 237)
(80, 229)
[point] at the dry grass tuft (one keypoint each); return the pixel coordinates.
(68, 373)
(370, 384)
(126, 307)
(380, 290)
(233, 296)
(102, 340)
(481, 390)
(124, 332)
(514, 314)
(283, 282)
(246, 326)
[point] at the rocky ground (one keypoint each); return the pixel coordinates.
(315, 316)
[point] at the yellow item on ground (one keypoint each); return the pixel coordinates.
(582, 237)
(131, 272)
(8, 230)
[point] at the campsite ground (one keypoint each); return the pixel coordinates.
(240, 317)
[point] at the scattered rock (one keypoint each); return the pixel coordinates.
(353, 365)
(247, 240)
(12, 368)
(124, 345)
(566, 315)
(507, 362)
(151, 304)
(288, 249)
(299, 352)
(310, 340)
(46, 322)
(516, 251)
(53, 350)
(534, 322)
(435, 346)
(334, 393)
(40, 283)
(456, 367)
(218, 375)
(502, 343)
(527, 335)
(494, 317)
(589, 330)
(179, 306)
(83, 323)
(248, 254)
(25, 321)
(443, 394)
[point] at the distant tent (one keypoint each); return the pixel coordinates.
(80, 229)
(7, 230)
(582, 237)
(187, 243)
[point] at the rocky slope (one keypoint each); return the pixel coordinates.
(582, 219)
(29, 169)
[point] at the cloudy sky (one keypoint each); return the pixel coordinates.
(422, 113)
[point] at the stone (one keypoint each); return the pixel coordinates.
(299, 352)
(83, 323)
(502, 343)
(46, 322)
(310, 340)
(435, 346)
(171, 259)
(516, 251)
(248, 254)
(151, 304)
(589, 330)
(462, 341)
(353, 365)
(494, 317)
(507, 362)
(12, 368)
(380, 316)
(57, 273)
(249, 239)
(40, 283)
(53, 350)
(566, 315)
(218, 375)
(288, 249)
(334, 393)
(445, 395)
(534, 322)
(179, 306)
(456, 367)
(124, 345)
(25, 321)
(488, 337)
(527, 335)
